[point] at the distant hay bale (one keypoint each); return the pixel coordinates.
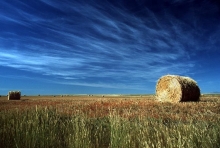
(174, 88)
(14, 95)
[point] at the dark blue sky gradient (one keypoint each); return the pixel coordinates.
(106, 46)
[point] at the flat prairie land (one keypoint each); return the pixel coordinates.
(89, 103)
(208, 108)
(109, 121)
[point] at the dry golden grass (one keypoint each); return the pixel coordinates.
(208, 109)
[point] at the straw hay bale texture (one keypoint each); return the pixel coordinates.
(14, 95)
(174, 88)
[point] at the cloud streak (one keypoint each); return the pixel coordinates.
(98, 44)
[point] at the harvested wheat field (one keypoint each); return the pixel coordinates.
(110, 121)
(139, 105)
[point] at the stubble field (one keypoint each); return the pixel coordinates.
(109, 121)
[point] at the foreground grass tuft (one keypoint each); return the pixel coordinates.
(47, 127)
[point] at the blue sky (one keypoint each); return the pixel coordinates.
(107, 46)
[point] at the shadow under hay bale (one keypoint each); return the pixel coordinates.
(14, 95)
(173, 88)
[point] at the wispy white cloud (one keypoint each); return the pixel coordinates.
(94, 45)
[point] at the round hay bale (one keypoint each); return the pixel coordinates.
(174, 88)
(14, 95)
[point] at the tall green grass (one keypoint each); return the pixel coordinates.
(46, 127)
